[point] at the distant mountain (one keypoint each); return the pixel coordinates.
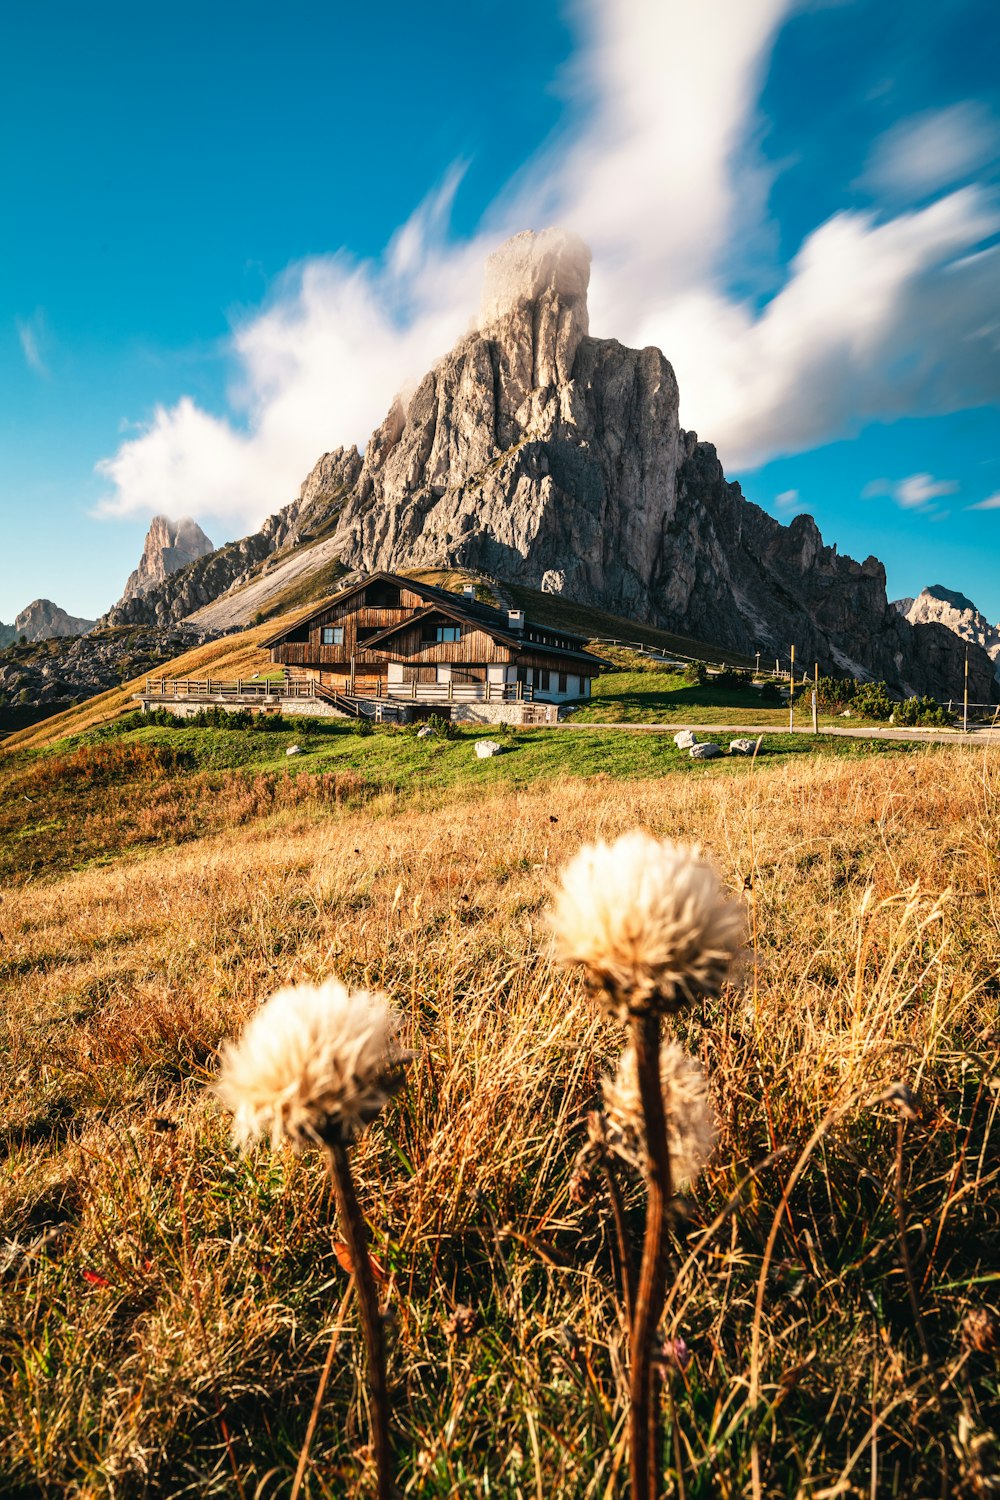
(169, 546)
(941, 606)
(212, 575)
(535, 453)
(41, 621)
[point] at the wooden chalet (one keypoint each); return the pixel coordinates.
(390, 637)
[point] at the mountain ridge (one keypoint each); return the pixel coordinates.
(535, 452)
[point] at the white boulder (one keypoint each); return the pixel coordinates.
(425, 732)
(294, 750)
(486, 748)
(704, 752)
(684, 739)
(742, 747)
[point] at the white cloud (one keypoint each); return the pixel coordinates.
(915, 492)
(932, 151)
(875, 317)
(787, 499)
(32, 334)
(992, 502)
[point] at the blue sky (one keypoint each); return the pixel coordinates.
(231, 233)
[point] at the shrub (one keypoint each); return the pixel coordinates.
(871, 701)
(924, 710)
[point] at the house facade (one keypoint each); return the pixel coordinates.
(392, 638)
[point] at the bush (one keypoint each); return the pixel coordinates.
(924, 710)
(871, 701)
(835, 692)
(730, 677)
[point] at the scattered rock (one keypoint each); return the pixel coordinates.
(684, 739)
(294, 750)
(742, 747)
(486, 748)
(705, 752)
(72, 668)
(425, 732)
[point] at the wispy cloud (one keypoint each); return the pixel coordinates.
(916, 492)
(992, 502)
(932, 151)
(876, 316)
(787, 499)
(33, 334)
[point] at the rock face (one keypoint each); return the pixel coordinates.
(202, 581)
(536, 453)
(42, 621)
(169, 546)
(941, 606)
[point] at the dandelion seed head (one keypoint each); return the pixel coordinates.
(648, 920)
(687, 1108)
(314, 1066)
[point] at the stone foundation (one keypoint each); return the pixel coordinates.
(504, 713)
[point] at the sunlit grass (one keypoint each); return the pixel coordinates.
(168, 1304)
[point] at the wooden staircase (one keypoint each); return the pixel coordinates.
(356, 708)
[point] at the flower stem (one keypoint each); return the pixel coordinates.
(643, 1393)
(356, 1235)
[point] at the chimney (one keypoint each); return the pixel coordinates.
(469, 591)
(515, 619)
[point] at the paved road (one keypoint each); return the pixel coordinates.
(985, 736)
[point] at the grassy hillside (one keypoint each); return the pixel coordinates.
(100, 796)
(169, 1304)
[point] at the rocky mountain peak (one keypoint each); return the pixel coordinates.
(532, 267)
(940, 606)
(169, 545)
(534, 314)
(534, 452)
(42, 620)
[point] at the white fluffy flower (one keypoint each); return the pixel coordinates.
(690, 1119)
(649, 920)
(314, 1066)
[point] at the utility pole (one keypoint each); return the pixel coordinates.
(965, 700)
(816, 698)
(791, 694)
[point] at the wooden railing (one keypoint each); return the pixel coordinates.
(212, 687)
(462, 692)
(244, 689)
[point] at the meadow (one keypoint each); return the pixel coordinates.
(170, 1304)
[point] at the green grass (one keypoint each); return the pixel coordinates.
(117, 790)
(668, 698)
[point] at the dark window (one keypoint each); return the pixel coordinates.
(543, 681)
(365, 632)
(382, 596)
(562, 682)
(448, 633)
(333, 635)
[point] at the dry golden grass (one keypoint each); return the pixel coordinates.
(168, 1304)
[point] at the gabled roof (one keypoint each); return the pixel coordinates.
(471, 610)
(462, 616)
